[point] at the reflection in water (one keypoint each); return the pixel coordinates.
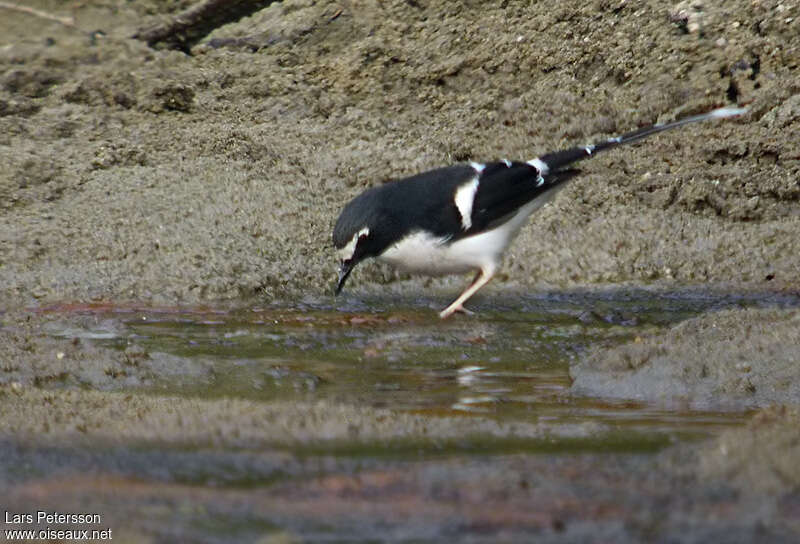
(511, 363)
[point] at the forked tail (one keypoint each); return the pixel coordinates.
(553, 162)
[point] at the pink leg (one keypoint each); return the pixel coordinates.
(482, 278)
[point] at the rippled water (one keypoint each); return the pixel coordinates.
(510, 362)
(566, 458)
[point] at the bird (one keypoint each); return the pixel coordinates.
(462, 218)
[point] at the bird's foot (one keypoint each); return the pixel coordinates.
(450, 310)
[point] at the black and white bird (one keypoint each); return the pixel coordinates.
(462, 218)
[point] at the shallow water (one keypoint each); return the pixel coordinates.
(509, 362)
(533, 458)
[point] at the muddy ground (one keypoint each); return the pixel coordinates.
(138, 174)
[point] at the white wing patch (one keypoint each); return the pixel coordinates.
(346, 253)
(478, 167)
(465, 196)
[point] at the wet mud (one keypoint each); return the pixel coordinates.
(192, 189)
(727, 357)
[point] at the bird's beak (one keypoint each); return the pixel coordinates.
(344, 272)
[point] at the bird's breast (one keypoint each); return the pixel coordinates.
(423, 253)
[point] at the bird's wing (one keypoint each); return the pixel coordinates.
(504, 188)
(426, 201)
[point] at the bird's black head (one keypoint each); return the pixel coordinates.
(357, 234)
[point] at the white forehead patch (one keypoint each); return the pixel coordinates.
(465, 196)
(346, 253)
(540, 165)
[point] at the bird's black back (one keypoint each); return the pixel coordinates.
(392, 210)
(426, 202)
(504, 189)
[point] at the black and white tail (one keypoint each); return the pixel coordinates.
(553, 162)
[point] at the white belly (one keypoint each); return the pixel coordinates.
(421, 253)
